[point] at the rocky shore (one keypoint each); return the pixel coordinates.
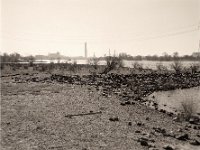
(101, 111)
(128, 87)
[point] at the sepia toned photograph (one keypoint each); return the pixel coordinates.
(100, 74)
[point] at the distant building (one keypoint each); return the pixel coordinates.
(40, 57)
(54, 55)
(196, 54)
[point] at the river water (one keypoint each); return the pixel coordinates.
(144, 63)
(173, 100)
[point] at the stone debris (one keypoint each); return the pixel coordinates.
(160, 130)
(183, 137)
(195, 142)
(146, 142)
(134, 86)
(168, 147)
(114, 119)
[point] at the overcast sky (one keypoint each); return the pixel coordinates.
(137, 27)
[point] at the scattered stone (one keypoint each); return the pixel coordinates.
(133, 103)
(160, 130)
(114, 119)
(123, 104)
(140, 124)
(162, 111)
(130, 123)
(183, 137)
(143, 142)
(170, 114)
(147, 118)
(153, 148)
(137, 131)
(195, 142)
(168, 147)
(128, 103)
(194, 120)
(196, 127)
(180, 130)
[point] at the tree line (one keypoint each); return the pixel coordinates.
(15, 57)
(165, 57)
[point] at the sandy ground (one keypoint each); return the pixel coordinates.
(35, 116)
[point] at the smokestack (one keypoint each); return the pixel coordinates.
(85, 49)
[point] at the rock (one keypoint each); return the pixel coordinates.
(195, 142)
(143, 142)
(194, 120)
(162, 110)
(153, 148)
(170, 114)
(133, 103)
(183, 137)
(128, 103)
(168, 147)
(114, 119)
(137, 131)
(147, 118)
(140, 124)
(180, 130)
(160, 130)
(123, 104)
(130, 123)
(196, 127)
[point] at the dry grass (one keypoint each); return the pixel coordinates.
(177, 66)
(188, 106)
(189, 109)
(194, 67)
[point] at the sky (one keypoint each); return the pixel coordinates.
(136, 27)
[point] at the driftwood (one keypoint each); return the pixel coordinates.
(84, 114)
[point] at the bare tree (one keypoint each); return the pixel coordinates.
(94, 62)
(177, 66)
(112, 63)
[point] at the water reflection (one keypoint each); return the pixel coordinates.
(172, 100)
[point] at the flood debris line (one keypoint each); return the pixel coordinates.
(134, 86)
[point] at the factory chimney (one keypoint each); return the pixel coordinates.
(85, 49)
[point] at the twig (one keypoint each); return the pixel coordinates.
(85, 114)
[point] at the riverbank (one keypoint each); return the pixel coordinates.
(48, 111)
